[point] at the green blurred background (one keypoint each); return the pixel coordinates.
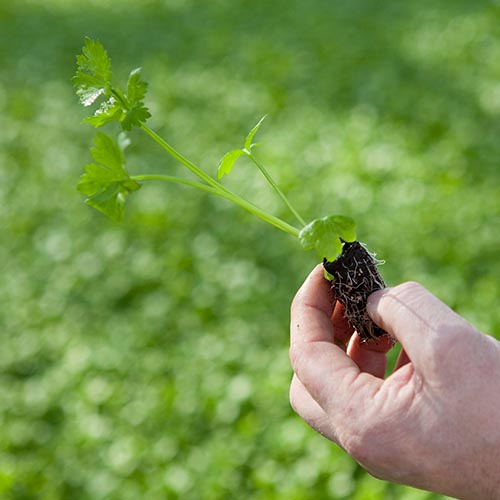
(149, 360)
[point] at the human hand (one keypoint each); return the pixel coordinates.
(434, 423)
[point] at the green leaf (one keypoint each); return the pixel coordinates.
(110, 201)
(226, 164)
(137, 112)
(106, 182)
(327, 275)
(93, 80)
(109, 111)
(135, 116)
(248, 141)
(93, 76)
(136, 88)
(326, 235)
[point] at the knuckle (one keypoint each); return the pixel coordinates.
(296, 355)
(293, 354)
(455, 340)
(449, 355)
(294, 402)
(446, 340)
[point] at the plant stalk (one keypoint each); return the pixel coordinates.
(276, 188)
(217, 188)
(177, 180)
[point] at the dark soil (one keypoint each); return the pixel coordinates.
(356, 276)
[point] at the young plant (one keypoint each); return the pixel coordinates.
(107, 184)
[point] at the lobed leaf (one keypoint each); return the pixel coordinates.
(93, 80)
(93, 76)
(109, 111)
(135, 116)
(137, 112)
(326, 235)
(106, 182)
(136, 88)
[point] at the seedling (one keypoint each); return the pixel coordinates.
(107, 183)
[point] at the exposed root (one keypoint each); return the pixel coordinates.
(355, 277)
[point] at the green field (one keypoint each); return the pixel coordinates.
(149, 360)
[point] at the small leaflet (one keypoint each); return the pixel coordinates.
(325, 235)
(106, 182)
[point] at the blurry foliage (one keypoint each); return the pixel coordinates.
(149, 360)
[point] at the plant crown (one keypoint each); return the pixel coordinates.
(107, 183)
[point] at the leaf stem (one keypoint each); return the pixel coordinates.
(177, 180)
(219, 189)
(118, 94)
(275, 186)
(182, 159)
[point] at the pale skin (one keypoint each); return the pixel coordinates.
(434, 423)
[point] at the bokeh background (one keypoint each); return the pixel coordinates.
(150, 360)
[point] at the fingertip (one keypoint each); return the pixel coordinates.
(381, 344)
(373, 302)
(370, 355)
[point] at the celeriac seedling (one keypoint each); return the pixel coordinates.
(107, 183)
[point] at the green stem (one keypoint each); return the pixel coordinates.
(219, 189)
(276, 188)
(213, 187)
(177, 180)
(118, 94)
(182, 159)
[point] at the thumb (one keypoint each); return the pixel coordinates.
(415, 317)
